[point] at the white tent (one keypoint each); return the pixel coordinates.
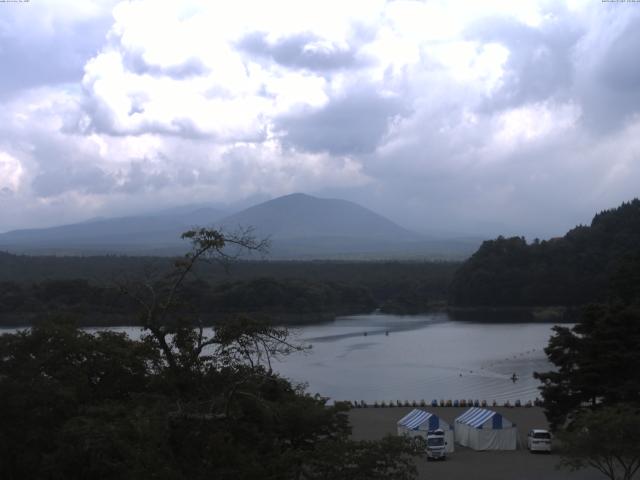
(417, 423)
(483, 429)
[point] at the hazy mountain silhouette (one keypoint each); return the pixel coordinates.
(303, 226)
(303, 216)
(300, 227)
(150, 233)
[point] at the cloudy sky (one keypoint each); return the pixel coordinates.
(480, 116)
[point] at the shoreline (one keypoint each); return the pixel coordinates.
(531, 314)
(553, 315)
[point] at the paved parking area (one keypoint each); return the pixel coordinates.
(467, 464)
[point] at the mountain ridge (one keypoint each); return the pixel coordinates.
(299, 215)
(300, 226)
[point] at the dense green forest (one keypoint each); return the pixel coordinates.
(573, 270)
(287, 292)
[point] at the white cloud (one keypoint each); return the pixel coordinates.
(10, 173)
(533, 122)
(439, 113)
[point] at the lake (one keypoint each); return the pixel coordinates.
(380, 357)
(388, 357)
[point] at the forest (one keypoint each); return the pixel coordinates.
(90, 288)
(573, 270)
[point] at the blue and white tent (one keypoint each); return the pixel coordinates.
(417, 423)
(483, 429)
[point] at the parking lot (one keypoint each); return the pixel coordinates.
(467, 464)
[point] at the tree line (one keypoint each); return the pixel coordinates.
(572, 270)
(286, 291)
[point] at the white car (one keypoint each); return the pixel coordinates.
(539, 440)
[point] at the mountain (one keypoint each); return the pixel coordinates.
(303, 216)
(154, 233)
(300, 227)
(579, 268)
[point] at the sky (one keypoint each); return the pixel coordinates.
(475, 117)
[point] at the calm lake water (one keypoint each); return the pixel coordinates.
(387, 357)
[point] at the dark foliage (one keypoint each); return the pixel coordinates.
(597, 360)
(268, 295)
(178, 404)
(607, 439)
(286, 291)
(572, 270)
(76, 405)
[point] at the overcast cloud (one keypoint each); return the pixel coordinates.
(478, 117)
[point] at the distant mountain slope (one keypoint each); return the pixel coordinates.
(300, 227)
(124, 234)
(305, 227)
(303, 216)
(573, 270)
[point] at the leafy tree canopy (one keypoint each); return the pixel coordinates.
(597, 362)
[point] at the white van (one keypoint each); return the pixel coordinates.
(539, 440)
(436, 445)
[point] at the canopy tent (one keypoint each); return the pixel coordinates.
(417, 423)
(483, 429)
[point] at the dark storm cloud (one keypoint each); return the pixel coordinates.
(299, 51)
(540, 63)
(36, 58)
(354, 123)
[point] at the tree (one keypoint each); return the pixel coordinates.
(180, 403)
(56, 378)
(607, 439)
(162, 311)
(593, 397)
(597, 362)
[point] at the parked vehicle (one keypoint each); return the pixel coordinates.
(539, 440)
(436, 445)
